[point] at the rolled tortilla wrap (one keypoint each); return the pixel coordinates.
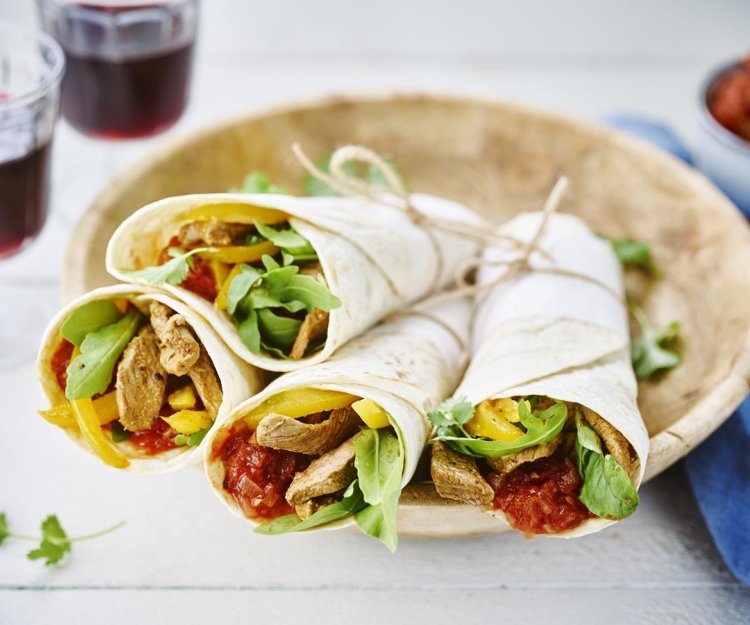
(214, 361)
(373, 258)
(404, 366)
(557, 336)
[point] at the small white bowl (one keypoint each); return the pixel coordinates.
(722, 155)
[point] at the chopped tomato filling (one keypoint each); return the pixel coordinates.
(200, 278)
(154, 440)
(256, 476)
(60, 361)
(541, 497)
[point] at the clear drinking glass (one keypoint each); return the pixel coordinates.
(31, 66)
(128, 63)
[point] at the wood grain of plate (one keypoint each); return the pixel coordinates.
(500, 159)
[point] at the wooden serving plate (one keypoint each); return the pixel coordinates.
(500, 159)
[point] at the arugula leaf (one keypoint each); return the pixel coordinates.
(633, 253)
(241, 285)
(258, 182)
(89, 318)
(541, 427)
(193, 440)
(172, 272)
(351, 502)
(277, 331)
(91, 372)
(380, 464)
(289, 240)
(607, 490)
(368, 173)
(119, 433)
(250, 332)
(54, 544)
(313, 294)
(4, 531)
(652, 352)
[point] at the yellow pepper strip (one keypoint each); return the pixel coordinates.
(122, 305)
(298, 403)
(182, 399)
(91, 430)
(233, 254)
(189, 421)
(221, 297)
(371, 413)
(489, 422)
(235, 213)
(220, 270)
(62, 414)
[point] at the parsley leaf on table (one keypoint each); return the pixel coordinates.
(4, 532)
(54, 544)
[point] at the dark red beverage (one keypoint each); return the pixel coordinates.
(128, 63)
(134, 98)
(24, 187)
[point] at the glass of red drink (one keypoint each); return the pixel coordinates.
(31, 66)
(128, 63)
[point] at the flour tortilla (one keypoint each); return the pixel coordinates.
(239, 380)
(560, 336)
(407, 366)
(374, 258)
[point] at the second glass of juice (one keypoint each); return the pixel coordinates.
(128, 63)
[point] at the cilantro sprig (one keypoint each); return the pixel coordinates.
(450, 417)
(653, 352)
(172, 272)
(634, 253)
(54, 542)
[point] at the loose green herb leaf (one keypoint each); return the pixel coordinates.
(653, 352)
(250, 332)
(352, 502)
(632, 253)
(453, 411)
(370, 174)
(91, 372)
(240, 286)
(289, 240)
(541, 427)
(54, 544)
(119, 433)
(379, 461)
(89, 318)
(607, 490)
(4, 532)
(277, 331)
(258, 182)
(172, 272)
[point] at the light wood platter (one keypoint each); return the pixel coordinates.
(499, 159)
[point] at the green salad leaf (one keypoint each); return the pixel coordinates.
(258, 182)
(541, 427)
(54, 544)
(172, 272)
(633, 253)
(379, 460)
(607, 490)
(653, 351)
(89, 318)
(192, 440)
(91, 372)
(351, 502)
(368, 173)
(263, 304)
(289, 240)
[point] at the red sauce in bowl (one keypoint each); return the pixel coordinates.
(541, 497)
(729, 100)
(257, 476)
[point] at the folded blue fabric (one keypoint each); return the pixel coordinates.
(718, 470)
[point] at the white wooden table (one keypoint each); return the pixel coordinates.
(181, 557)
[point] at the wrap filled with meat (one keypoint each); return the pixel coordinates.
(544, 430)
(286, 280)
(335, 443)
(137, 378)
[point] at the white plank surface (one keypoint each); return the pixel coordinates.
(181, 557)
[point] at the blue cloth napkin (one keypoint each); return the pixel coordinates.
(718, 470)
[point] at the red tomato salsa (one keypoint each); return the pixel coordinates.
(541, 497)
(60, 361)
(256, 476)
(200, 278)
(156, 439)
(729, 100)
